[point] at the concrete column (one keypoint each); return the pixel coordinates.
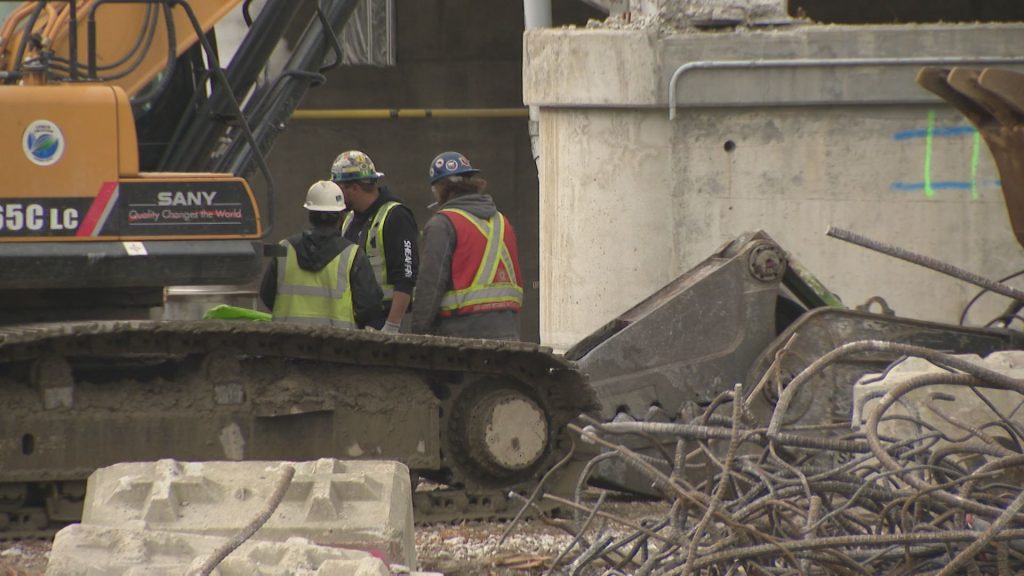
(630, 199)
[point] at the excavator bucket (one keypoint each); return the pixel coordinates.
(697, 336)
(993, 100)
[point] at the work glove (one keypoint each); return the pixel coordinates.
(390, 328)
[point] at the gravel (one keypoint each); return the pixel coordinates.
(452, 549)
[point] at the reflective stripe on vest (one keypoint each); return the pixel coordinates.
(322, 298)
(374, 247)
(485, 292)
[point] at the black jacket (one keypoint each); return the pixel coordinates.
(400, 239)
(315, 249)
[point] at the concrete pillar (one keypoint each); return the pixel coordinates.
(629, 199)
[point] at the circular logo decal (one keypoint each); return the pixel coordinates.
(43, 143)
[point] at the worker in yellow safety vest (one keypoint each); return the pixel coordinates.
(321, 278)
(384, 228)
(470, 284)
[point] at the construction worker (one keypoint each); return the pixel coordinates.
(470, 283)
(384, 228)
(322, 279)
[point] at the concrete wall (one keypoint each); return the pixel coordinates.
(630, 199)
(451, 54)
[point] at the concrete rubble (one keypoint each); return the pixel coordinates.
(336, 517)
(668, 16)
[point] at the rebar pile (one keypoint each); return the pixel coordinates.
(749, 498)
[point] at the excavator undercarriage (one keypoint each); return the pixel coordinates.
(480, 417)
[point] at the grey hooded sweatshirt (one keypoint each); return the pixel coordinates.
(435, 278)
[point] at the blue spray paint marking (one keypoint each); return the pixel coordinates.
(936, 133)
(945, 185)
(929, 134)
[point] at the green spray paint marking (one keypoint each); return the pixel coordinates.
(929, 192)
(975, 156)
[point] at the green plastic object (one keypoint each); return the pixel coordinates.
(225, 312)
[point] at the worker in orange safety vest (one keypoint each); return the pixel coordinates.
(470, 284)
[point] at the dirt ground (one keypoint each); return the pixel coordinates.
(24, 558)
(465, 549)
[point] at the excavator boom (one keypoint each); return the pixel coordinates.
(122, 44)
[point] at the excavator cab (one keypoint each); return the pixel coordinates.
(77, 213)
(127, 149)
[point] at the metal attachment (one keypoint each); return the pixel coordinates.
(767, 262)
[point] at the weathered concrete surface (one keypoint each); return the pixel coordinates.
(365, 505)
(85, 550)
(630, 199)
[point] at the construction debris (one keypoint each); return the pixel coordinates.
(326, 517)
(675, 16)
(916, 485)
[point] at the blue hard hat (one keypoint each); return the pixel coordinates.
(450, 164)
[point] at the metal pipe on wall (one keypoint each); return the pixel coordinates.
(827, 62)
(536, 14)
(396, 113)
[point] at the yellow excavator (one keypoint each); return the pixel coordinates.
(124, 139)
(126, 145)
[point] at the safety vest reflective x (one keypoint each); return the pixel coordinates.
(322, 298)
(485, 266)
(374, 247)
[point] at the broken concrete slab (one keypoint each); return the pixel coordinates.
(81, 549)
(365, 505)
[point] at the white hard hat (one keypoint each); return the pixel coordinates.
(324, 196)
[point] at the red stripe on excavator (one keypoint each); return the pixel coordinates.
(99, 211)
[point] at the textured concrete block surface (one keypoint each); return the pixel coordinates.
(365, 505)
(81, 550)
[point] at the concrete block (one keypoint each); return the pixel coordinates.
(84, 550)
(366, 505)
(945, 408)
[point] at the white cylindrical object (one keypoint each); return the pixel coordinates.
(537, 13)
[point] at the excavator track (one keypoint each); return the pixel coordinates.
(481, 417)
